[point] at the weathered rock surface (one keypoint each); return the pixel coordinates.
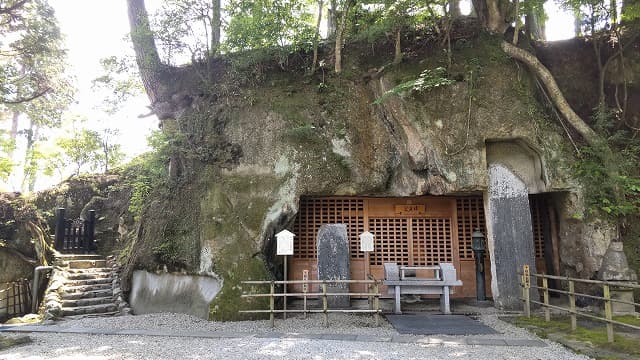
(248, 153)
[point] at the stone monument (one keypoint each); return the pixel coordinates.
(333, 261)
(615, 268)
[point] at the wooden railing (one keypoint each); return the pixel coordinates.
(15, 299)
(541, 283)
(373, 296)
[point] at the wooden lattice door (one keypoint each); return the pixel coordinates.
(408, 231)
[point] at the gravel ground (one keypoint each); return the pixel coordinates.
(74, 346)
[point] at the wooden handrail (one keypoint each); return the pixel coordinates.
(373, 294)
(587, 281)
(572, 294)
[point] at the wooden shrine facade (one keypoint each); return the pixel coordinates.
(412, 231)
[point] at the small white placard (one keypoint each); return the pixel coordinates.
(366, 241)
(284, 242)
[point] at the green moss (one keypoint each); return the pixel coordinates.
(628, 319)
(7, 342)
(304, 135)
(596, 336)
(228, 303)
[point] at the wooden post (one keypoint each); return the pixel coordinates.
(607, 312)
(572, 305)
(376, 306)
(284, 314)
(527, 303)
(325, 304)
(272, 304)
(545, 294)
(526, 284)
(305, 289)
(59, 242)
(89, 236)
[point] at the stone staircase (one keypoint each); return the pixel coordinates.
(83, 285)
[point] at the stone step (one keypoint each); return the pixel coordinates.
(89, 276)
(67, 257)
(108, 313)
(69, 289)
(92, 309)
(86, 264)
(89, 270)
(89, 282)
(87, 302)
(86, 294)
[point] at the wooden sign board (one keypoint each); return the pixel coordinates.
(366, 241)
(284, 243)
(410, 210)
(305, 277)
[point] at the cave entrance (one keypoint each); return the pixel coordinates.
(412, 231)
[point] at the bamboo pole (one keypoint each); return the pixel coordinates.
(545, 294)
(325, 304)
(572, 305)
(526, 285)
(608, 312)
(272, 305)
(377, 303)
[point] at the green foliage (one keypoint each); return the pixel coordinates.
(170, 253)
(111, 154)
(7, 145)
(612, 182)
(81, 149)
(428, 80)
(147, 171)
(188, 29)
(282, 24)
(31, 54)
(120, 82)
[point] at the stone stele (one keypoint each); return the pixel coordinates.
(615, 268)
(333, 261)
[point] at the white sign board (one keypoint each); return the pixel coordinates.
(284, 242)
(366, 241)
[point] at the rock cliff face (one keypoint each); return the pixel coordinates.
(253, 148)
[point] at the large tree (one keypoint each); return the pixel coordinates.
(33, 87)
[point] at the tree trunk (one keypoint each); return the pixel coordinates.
(554, 92)
(13, 133)
(340, 35)
(144, 45)
(534, 27)
(331, 18)
(454, 8)
(105, 148)
(516, 31)
(316, 38)
(29, 168)
(496, 16)
(397, 59)
(215, 28)
(480, 10)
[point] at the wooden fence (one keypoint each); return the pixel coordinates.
(75, 235)
(541, 283)
(373, 295)
(15, 299)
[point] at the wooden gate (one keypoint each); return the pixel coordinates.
(75, 236)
